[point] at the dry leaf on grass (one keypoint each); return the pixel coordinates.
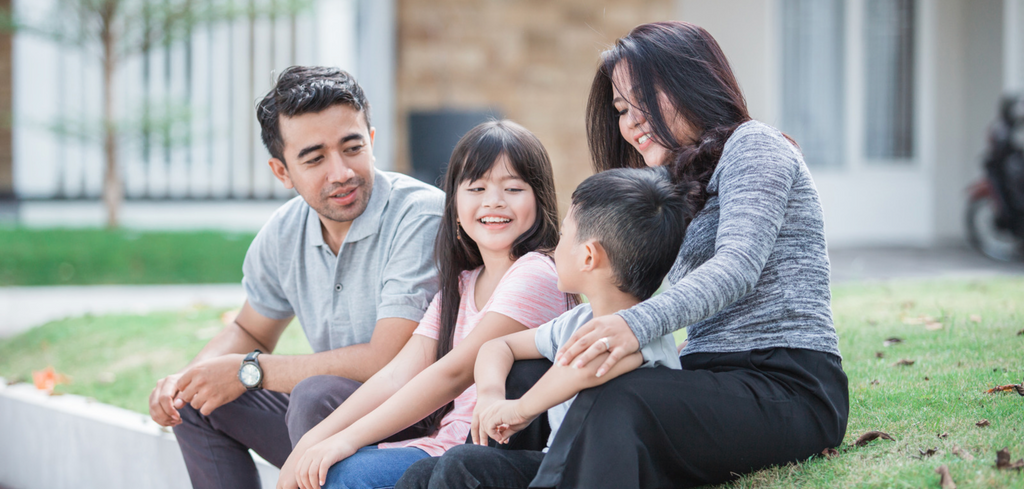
(48, 378)
(871, 436)
(874, 382)
(975, 318)
(964, 454)
(1003, 461)
(983, 423)
(892, 341)
(830, 453)
(879, 354)
(903, 363)
(945, 480)
(1020, 333)
(942, 435)
(1018, 388)
(927, 453)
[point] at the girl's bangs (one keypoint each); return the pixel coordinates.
(483, 155)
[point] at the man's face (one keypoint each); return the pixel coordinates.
(329, 158)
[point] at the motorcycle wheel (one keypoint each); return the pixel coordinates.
(988, 238)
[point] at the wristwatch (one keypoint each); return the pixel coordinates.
(250, 373)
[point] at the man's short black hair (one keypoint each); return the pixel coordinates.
(639, 217)
(303, 90)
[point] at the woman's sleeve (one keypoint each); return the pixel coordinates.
(529, 292)
(754, 181)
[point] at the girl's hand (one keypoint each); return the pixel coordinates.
(606, 333)
(286, 480)
(502, 420)
(311, 469)
(483, 403)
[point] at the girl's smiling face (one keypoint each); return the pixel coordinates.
(495, 209)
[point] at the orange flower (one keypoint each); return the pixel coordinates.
(47, 378)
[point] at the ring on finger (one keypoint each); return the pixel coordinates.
(607, 345)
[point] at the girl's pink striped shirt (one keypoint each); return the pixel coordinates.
(528, 293)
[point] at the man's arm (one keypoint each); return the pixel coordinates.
(217, 363)
(211, 379)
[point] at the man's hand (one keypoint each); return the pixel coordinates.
(161, 401)
(286, 479)
(501, 420)
(210, 384)
(311, 469)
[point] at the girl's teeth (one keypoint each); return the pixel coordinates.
(487, 220)
(643, 139)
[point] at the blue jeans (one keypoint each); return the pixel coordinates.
(372, 468)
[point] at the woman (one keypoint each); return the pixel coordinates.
(762, 382)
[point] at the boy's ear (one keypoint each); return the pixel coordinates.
(281, 172)
(593, 256)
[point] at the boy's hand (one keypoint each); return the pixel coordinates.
(311, 469)
(483, 402)
(502, 420)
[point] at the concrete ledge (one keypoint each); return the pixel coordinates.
(69, 441)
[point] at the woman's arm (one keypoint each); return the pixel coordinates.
(754, 179)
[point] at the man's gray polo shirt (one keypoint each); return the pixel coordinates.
(384, 268)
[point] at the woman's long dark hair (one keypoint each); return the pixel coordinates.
(454, 251)
(682, 61)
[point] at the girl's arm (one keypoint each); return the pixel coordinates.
(431, 389)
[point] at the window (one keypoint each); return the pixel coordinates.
(889, 79)
(812, 78)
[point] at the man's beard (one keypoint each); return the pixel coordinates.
(337, 213)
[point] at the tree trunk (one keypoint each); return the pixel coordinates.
(113, 191)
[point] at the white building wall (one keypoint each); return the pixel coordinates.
(870, 203)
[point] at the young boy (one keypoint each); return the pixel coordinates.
(619, 239)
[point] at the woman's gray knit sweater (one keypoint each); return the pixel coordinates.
(753, 271)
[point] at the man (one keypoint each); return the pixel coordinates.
(351, 258)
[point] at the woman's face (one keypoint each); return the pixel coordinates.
(497, 208)
(633, 123)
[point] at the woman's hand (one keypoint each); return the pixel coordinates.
(286, 479)
(501, 420)
(607, 333)
(311, 469)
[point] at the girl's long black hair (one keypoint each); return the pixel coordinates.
(454, 251)
(685, 63)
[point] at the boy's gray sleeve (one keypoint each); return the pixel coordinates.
(754, 182)
(261, 276)
(409, 278)
(546, 339)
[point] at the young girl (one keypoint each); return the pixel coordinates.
(500, 217)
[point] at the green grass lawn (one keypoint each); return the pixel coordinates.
(100, 256)
(117, 359)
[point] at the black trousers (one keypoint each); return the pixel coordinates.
(723, 414)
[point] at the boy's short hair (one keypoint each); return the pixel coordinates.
(639, 217)
(303, 90)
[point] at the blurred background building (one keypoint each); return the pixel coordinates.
(889, 99)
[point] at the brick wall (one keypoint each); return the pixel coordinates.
(533, 60)
(6, 109)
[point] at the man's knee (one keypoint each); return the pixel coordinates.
(313, 399)
(417, 476)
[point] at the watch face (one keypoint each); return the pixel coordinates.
(249, 375)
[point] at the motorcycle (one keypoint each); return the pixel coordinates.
(995, 208)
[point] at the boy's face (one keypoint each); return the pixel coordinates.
(569, 256)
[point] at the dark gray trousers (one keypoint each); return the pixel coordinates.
(216, 447)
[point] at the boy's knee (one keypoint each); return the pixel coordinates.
(312, 400)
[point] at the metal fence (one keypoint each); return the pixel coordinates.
(185, 109)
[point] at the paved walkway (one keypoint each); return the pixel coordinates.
(24, 307)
